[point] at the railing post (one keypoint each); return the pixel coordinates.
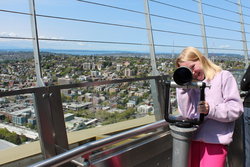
(44, 122)
(243, 34)
(50, 121)
(36, 50)
(60, 137)
(154, 87)
(203, 29)
(48, 104)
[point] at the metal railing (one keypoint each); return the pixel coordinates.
(95, 145)
(48, 98)
(50, 115)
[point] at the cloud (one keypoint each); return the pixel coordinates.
(224, 46)
(45, 37)
(82, 44)
(6, 34)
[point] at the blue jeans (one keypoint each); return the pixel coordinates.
(246, 136)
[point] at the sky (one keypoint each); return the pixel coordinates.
(91, 22)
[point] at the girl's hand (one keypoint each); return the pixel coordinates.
(203, 107)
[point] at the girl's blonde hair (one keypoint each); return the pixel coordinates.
(193, 54)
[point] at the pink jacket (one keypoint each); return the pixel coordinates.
(225, 106)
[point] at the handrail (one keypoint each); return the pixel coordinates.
(76, 85)
(91, 146)
(49, 110)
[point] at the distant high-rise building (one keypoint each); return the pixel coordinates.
(145, 109)
(95, 73)
(118, 66)
(63, 81)
(32, 121)
(19, 120)
(127, 72)
(86, 66)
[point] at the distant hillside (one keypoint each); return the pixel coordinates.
(19, 54)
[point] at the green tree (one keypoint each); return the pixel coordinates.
(23, 138)
(13, 138)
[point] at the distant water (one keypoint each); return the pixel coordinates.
(83, 52)
(72, 52)
(112, 52)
